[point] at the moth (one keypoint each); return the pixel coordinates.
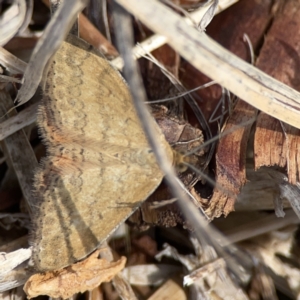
(99, 166)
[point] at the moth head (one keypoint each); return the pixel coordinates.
(180, 161)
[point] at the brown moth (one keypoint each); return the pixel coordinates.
(99, 166)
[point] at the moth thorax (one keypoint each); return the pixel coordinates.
(181, 161)
(145, 157)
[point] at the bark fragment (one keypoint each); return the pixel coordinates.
(231, 161)
(276, 143)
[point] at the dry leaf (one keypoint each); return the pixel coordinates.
(80, 277)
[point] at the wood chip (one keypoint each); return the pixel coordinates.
(80, 277)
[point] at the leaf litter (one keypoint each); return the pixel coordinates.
(260, 270)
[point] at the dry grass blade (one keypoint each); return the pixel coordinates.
(12, 63)
(11, 20)
(11, 260)
(20, 274)
(90, 34)
(55, 32)
(19, 121)
(260, 226)
(21, 156)
(245, 81)
(208, 16)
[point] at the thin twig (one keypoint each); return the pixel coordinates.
(204, 233)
